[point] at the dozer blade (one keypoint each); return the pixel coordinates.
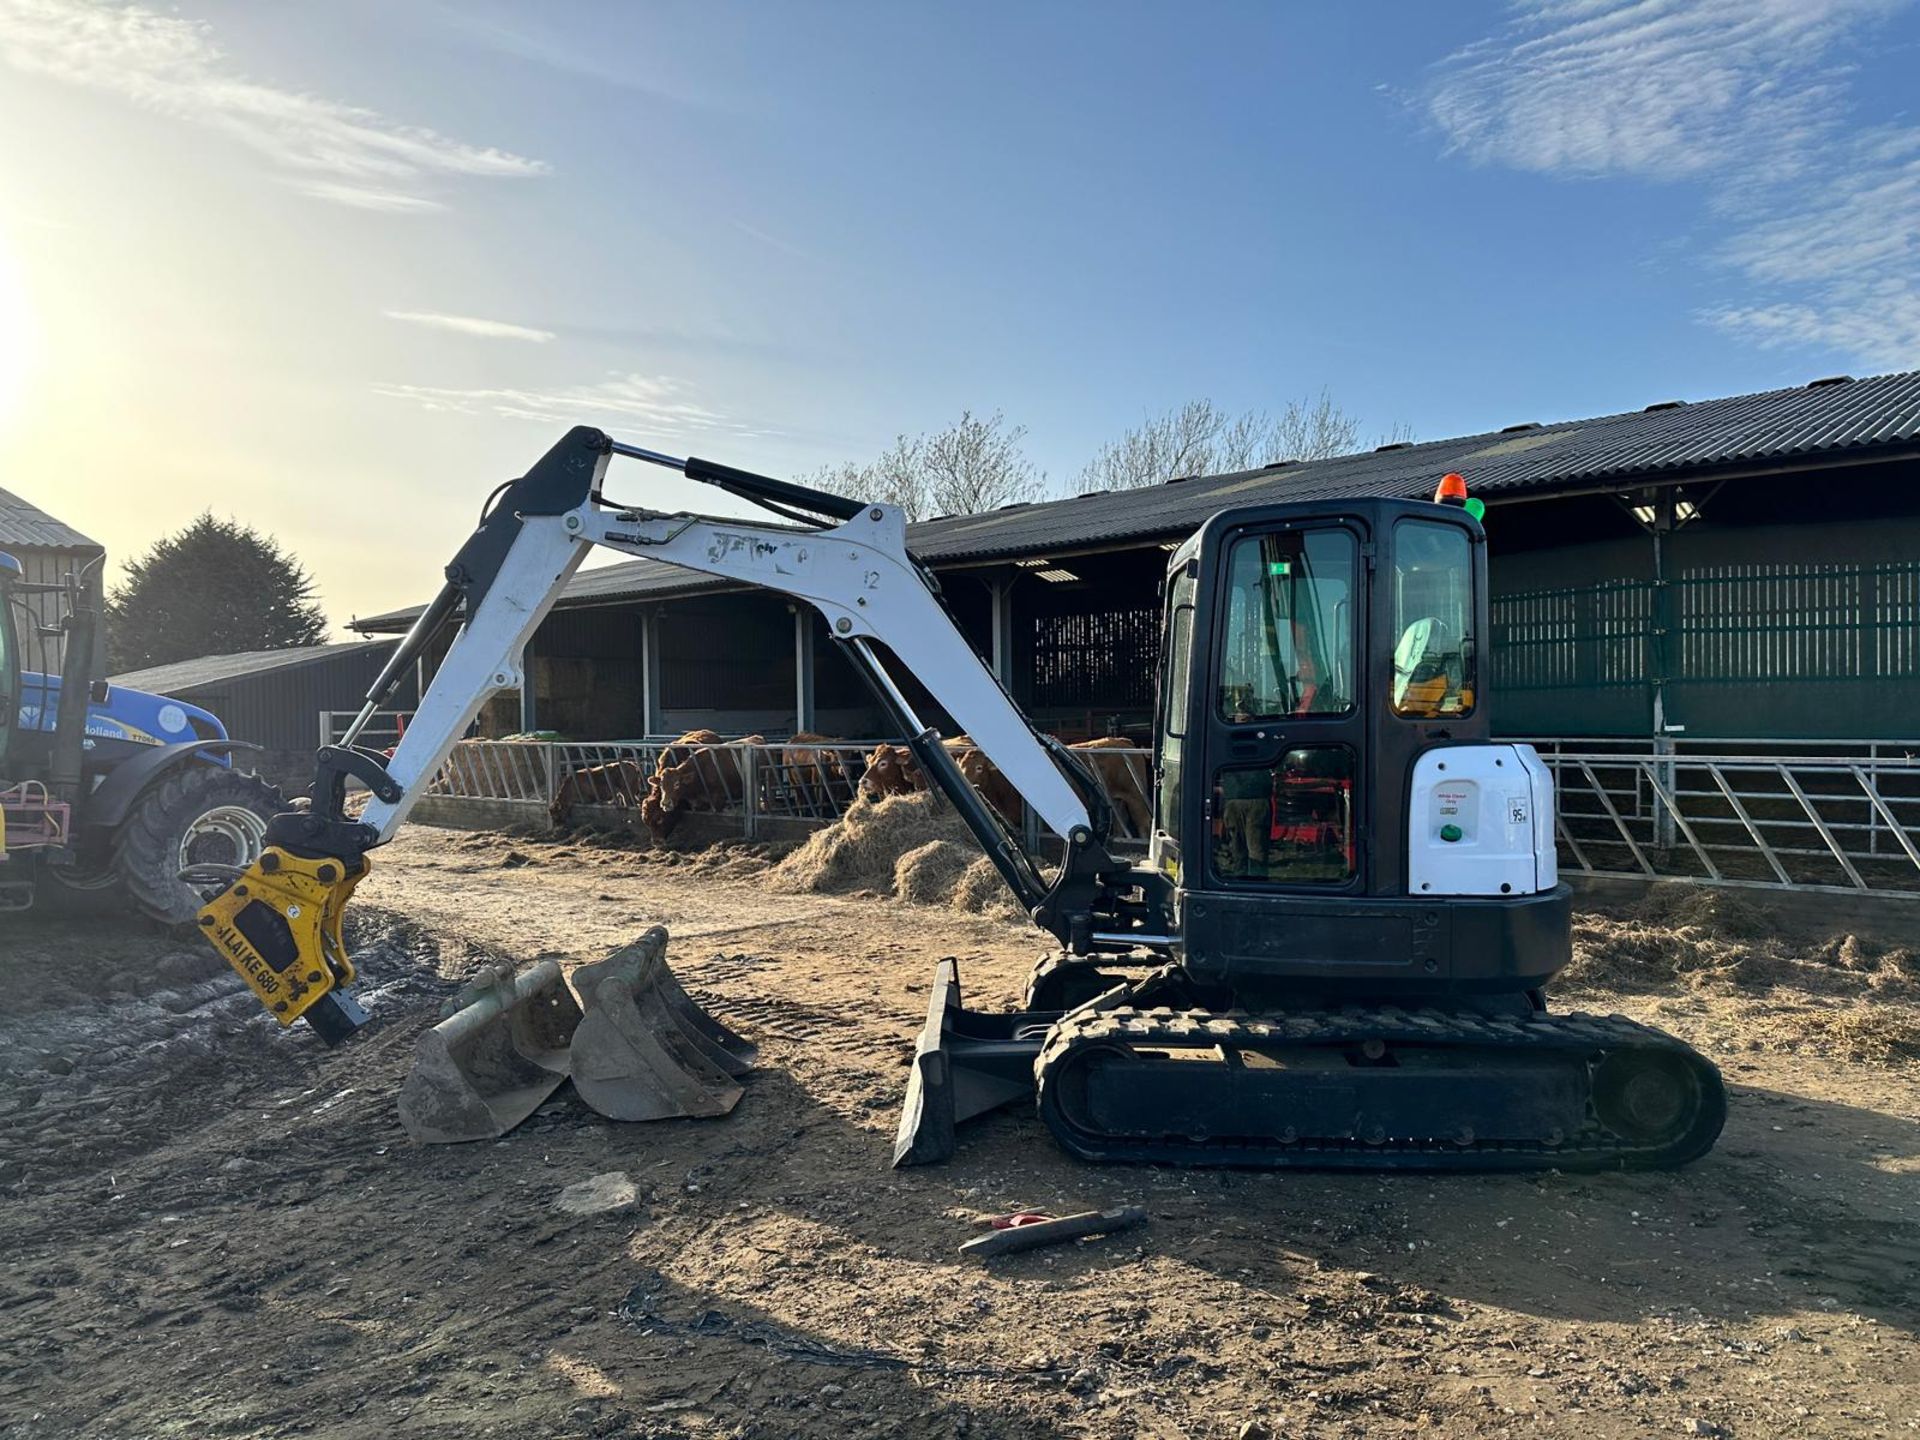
(966, 1063)
(645, 1050)
(500, 1051)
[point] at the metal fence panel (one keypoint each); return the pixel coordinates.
(750, 780)
(1814, 822)
(1848, 823)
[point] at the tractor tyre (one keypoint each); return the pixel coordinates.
(197, 814)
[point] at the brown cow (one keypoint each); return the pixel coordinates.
(654, 814)
(985, 776)
(707, 779)
(816, 769)
(1121, 781)
(617, 782)
(892, 770)
(678, 752)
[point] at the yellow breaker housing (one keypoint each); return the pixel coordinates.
(279, 926)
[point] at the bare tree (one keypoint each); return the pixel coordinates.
(1201, 438)
(1185, 441)
(897, 477)
(976, 464)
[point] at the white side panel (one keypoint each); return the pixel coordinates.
(1546, 855)
(1475, 821)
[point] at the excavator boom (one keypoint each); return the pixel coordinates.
(279, 925)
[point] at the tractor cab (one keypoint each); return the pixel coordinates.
(1325, 769)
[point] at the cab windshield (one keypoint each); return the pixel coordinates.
(1289, 634)
(1433, 659)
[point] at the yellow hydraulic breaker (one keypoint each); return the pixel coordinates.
(279, 926)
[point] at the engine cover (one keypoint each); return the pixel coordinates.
(1480, 822)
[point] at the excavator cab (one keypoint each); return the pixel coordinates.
(1318, 683)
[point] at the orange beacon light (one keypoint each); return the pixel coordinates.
(1452, 490)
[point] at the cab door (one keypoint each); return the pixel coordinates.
(1278, 879)
(1282, 712)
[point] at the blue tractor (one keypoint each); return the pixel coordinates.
(123, 792)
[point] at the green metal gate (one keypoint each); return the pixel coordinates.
(1778, 633)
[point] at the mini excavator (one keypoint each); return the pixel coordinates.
(1335, 951)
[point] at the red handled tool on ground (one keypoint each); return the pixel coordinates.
(1025, 1231)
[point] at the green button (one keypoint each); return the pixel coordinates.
(1450, 833)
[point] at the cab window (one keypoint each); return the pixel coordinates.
(1289, 626)
(1433, 655)
(9, 701)
(1287, 823)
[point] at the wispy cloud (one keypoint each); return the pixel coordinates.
(1749, 99)
(1661, 88)
(659, 404)
(327, 149)
(469, 325)
(527, 40)
(772, 241)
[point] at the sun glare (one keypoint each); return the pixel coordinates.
(18, 337)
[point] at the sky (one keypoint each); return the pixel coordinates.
(337, 270)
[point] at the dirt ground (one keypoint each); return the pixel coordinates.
(215, 1229)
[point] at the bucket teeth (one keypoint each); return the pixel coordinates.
(645, 1050)
(501, 1049)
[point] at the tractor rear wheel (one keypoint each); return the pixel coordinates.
(199, 814)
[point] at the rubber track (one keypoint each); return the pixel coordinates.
(1580, 1037)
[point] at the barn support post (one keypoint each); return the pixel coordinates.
(803, 706)
(650, 722)
(529, 702)
(750, 791)
(1665, 655)
(1000, 590)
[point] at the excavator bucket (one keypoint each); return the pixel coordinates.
(645, 1050)
(499, 1051)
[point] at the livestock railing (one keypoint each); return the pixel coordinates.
(1842, 823)
(1846, 823)
(753, 781)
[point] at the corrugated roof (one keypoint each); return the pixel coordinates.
(212, 669)
(1822, 418)
(30, 526)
